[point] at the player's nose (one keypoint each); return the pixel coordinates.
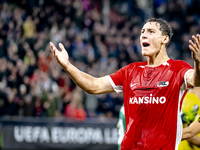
(143, 35)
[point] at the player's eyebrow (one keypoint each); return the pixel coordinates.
(148, 29)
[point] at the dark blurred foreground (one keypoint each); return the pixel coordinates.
(58, 133)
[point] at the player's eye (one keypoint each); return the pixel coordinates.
(151, 31)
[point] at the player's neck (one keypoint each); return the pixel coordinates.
(157, 59)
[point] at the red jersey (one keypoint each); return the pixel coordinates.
(152, 100)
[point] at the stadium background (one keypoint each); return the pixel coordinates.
(100, 36)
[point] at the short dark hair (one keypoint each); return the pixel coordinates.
(165, 28)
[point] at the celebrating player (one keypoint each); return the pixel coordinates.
(151, 103)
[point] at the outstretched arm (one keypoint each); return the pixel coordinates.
(191, 131)
(88, 83)
(193, 77)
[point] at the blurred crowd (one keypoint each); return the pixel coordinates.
(100, 36)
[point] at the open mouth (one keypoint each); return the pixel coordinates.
(145, 44)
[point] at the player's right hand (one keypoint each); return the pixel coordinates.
(195, 47)
(61, 56)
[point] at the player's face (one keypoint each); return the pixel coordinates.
(151, 39)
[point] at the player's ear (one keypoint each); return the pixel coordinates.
(165, 39)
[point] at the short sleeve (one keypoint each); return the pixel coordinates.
(184, 68)
(116, 80)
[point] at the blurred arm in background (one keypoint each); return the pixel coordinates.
(191, 131)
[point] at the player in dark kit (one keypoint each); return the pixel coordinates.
(152, 105)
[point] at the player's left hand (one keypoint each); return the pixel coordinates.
(195, 47)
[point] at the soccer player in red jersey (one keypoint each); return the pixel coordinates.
(152, 105)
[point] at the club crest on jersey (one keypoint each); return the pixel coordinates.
(163, 83)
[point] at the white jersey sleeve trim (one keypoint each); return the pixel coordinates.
(185, 77)
(179, 121)
(118, 88)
